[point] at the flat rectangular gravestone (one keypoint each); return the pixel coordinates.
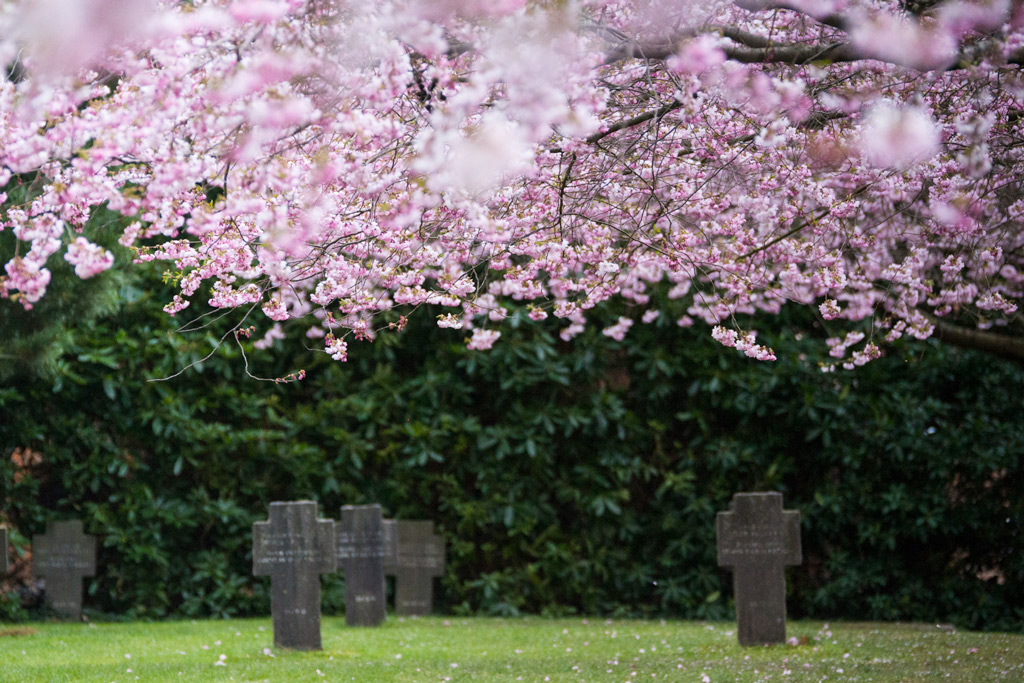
(293, 548)
(362, 549)
(757, 539)
(420, 559)
(63, 556)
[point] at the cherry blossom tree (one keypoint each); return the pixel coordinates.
(320, 162)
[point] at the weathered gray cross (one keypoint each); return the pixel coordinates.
(757, 539)
(293, 548)
(420, 559)
(63, 556)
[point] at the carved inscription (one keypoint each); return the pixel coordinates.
(421, 556)
(274, 551)
(757, 540)
(67, 560)
(356, 546)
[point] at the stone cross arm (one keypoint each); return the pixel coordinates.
(757, 529)
(293, 537)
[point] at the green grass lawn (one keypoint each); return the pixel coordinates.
(529, 649)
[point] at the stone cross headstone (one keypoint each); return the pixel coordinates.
(63, 556)
(293, 548)
(4, 560)
(757, 539)
(420, 559)
(362, 549)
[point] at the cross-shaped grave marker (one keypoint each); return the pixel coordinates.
(420, 559)
(362, 550)
(63, 556)
(293, 548)
(757, 539)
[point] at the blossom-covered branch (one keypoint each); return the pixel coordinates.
(327, 161)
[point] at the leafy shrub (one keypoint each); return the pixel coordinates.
(567, 478)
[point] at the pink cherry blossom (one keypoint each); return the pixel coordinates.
(336, 348)
(65, 35)
(88, 258)
(903, 39)
(899, 137)
(332, 166)
(697, 56)
(619, 329)
(483, 339)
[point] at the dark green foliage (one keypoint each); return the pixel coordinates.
(34, 341)
(568, 478)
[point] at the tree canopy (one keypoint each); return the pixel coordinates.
(327, 160)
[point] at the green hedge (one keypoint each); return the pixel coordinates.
(567, 478)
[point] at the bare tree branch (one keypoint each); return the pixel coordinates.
(1002, 345)
(636, 120)
(833, 20)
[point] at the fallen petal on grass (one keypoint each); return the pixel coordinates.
(529, 649)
